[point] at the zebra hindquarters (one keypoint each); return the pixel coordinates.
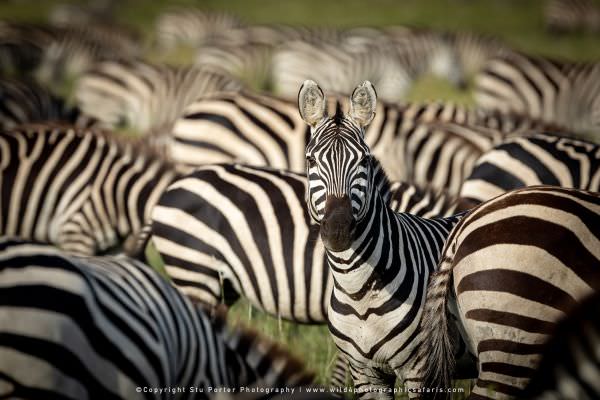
(523, 261)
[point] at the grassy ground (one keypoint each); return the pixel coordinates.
(519, 22)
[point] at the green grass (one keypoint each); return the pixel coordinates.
(519, 22)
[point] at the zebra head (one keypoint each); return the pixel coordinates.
(338, 162)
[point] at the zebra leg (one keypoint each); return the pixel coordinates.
(372, 383)
(339, 372)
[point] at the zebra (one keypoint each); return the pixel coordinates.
(395, 56)
(270, 254)
(211, 259)
(569, 365)
(561, 93)
(144, 96)
(191, 27)
(113, 328)
(380, 260)
(538, 159)
(24, 101)
(510, 270)
(84, 191)
(265, 130)
(563, 16)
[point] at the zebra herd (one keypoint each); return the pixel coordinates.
(435, 240)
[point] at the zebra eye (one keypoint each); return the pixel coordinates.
(365, 160)
(310, 161)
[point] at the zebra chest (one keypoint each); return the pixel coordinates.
(370, 329)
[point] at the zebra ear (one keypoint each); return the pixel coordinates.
(311, 103)
(362, 103)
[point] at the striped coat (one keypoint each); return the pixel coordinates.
(230, 230)
(556, 92)
(112, 328)
(82, 190)
(539, 159)
(263, 130)
(510, 270)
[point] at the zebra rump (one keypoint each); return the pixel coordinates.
(112, 328)
(513, 267)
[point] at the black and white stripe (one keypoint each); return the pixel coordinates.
(561, 93)
(230, 230)
(145, 96)
(263, 130)
(570, 365)
(23, 101)
(540, 159)
(102, 327)
(83, 191)
(380, 260)
(511, 269)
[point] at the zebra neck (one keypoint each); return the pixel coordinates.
(390, 248)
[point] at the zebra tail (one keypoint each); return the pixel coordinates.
(438, 350)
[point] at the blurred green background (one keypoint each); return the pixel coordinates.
(520, 23)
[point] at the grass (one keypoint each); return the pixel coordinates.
(518, 22)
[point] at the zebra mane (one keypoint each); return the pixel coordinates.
(339, 113)
(261, 353)
(381, 181)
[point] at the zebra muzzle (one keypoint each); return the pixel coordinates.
(337, 225)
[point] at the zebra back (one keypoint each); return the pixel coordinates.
(112, 327)
(83, 190)
(540, 159)
(554, 91)
(264, 130)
